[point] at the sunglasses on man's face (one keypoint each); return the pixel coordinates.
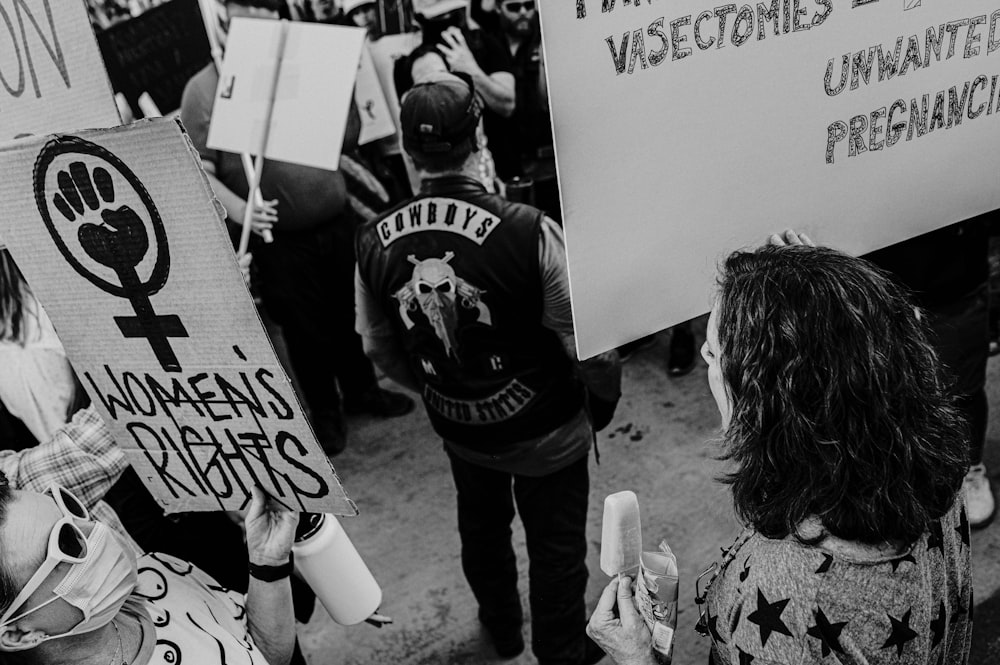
(518, 7)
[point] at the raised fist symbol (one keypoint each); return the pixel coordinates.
(111, 235)
(119, 240)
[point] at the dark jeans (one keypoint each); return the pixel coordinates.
(553, 509)
(307, 284)
(961, 336)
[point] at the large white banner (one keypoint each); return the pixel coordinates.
(686, 129)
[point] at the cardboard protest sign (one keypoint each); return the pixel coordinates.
(118, 234)
(286, 87)
(157, 53)
(687, 129)
(51, 74)
(376, 117)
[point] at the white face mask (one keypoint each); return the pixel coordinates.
(98, 587)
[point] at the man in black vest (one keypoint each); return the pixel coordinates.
(462, 296)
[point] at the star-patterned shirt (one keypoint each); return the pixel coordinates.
(780, 602)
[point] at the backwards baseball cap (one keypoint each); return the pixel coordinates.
(440, 112)
(434, 8)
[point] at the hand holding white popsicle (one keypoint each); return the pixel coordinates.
(621, 534)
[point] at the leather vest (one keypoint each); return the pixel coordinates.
(457, 271)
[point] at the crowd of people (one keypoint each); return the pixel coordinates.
(851, 395)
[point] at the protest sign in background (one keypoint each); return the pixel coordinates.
(385, 52)
(288, 85)
(377, 121)
(687, 129)
(119, 236)
(156, 52)
(51, 74)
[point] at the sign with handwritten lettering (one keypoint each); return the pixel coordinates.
(687, 129)
(52, 77)
(118, 233)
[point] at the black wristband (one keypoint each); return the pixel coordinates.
(270, 573)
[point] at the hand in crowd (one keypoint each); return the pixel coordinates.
(790, 237)
(270, 530)
(623, 634)
(456, 52)
(265, 216)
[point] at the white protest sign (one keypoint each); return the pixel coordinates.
(385, 52)
(118, 234)
(376, 116)
(286, 87)
(687, 129)
(52, 76)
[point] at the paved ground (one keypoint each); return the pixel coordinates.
(661, 445)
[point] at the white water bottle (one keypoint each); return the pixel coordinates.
(328, 562)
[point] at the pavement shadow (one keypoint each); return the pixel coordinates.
(986, 632)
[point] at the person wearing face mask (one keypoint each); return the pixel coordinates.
(848, 456)
(76, 589)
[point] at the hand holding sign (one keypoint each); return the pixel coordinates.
(264, 216)
(270, 530)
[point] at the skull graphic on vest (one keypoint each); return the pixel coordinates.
(435, 290)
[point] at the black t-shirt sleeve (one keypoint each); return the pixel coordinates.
(402, 77)
(490, 54)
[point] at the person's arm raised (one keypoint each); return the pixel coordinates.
(270, 533)
(498, 89)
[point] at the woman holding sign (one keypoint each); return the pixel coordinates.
(74, 589)
(849, 457)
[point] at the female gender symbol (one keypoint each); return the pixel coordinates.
(113, 237)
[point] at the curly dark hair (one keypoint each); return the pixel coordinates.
(840, 410)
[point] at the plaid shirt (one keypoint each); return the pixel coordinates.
(82, 457)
